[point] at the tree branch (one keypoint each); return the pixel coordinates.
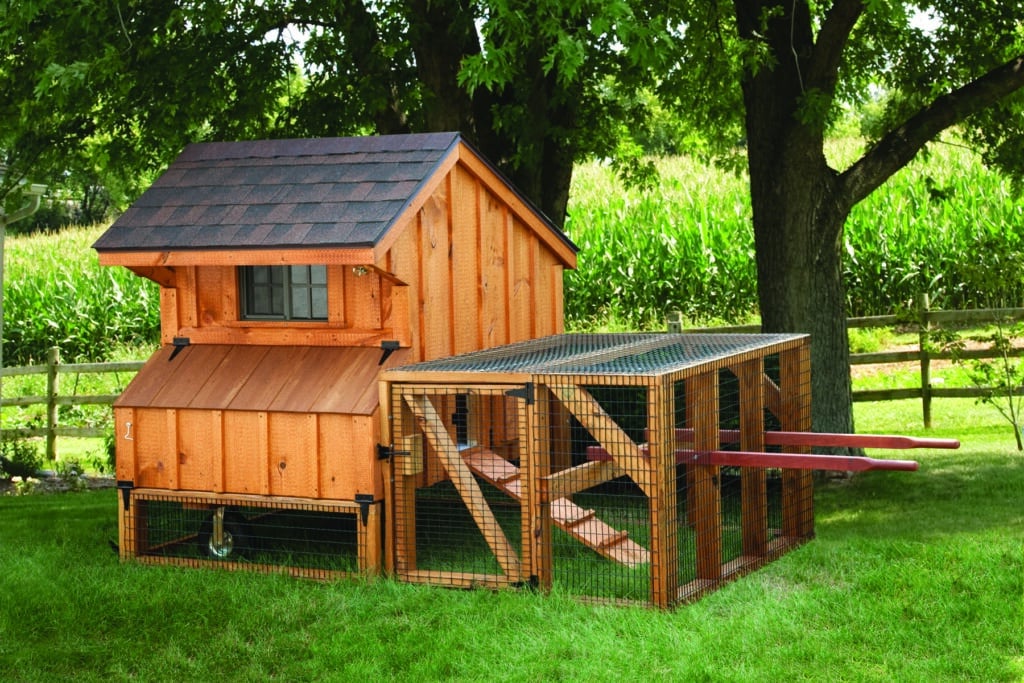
(899, 146)
(832, 39)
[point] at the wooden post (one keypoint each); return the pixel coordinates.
(52, 391)
(923, 345)
(675, 321)
(664, 547)
(753, 480)
(369, 531)
(535, 458)
(795, 416)
(705, 499)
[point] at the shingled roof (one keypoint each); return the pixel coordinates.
(288, 194)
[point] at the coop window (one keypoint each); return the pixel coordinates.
(284, 292)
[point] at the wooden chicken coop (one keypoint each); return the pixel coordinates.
(291, 273)
(363, 367)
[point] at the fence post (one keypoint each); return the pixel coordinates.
(675, 321)
(52, 391)
(923, 343)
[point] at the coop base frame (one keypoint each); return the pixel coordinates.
(133, 529)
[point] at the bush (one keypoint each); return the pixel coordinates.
(19, 458)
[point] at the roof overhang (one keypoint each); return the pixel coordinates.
(345, 256)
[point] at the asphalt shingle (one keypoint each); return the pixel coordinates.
(280, 193)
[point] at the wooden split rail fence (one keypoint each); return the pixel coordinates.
(925, 321)
(53, 399)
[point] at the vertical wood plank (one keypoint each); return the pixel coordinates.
(155, 450)
(540, 295)
(347, 459)
(386, 422)
(125, 430)
(435, 295)
(293, 461)
(200, 450)
(465, 262)
(169, 319)
(247, 452)
(362, 299)
(369, 539)
(230, 298)
(210, 288)
(188, 297)
(494, 308)
(520, 297)
(336, 295)
(535, 460)
(337, 456)
(557, 298)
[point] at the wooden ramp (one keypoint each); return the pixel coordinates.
(578, 522)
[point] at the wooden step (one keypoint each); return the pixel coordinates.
(580, 523)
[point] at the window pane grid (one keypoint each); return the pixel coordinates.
(284, 292)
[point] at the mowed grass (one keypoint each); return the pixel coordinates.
(912, 577)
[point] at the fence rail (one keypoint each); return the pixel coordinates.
(925, 321)
(53, 399)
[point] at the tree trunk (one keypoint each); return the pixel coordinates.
(799, 212)
(800, 286)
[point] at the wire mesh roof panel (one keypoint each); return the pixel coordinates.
(607, 354)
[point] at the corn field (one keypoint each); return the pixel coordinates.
(57, 294)
(944, 226)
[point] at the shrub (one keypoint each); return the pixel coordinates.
(19, 458)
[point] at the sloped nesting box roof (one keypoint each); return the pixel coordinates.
(339, 194)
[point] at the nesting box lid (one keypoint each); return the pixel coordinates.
(291, 379)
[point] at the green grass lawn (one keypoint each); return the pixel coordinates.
(912, 577)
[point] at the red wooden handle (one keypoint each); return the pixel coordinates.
(792, 461)
(823, 439)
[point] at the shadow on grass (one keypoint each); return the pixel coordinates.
(965, 493)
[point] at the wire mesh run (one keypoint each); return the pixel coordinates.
(639, 487)
(319, 541)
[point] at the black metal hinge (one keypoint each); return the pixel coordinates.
(125, 487)
(385, 452)
(388, 347)
(365, 500)
(179, 344)
(525, 393)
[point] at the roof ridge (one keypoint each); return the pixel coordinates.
(316, 146)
